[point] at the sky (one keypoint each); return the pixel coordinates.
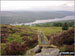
(37, 5)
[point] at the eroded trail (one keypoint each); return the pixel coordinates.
(43, 48)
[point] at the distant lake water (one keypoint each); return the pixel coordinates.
(47, 20)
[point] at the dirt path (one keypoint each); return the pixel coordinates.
(46, 50)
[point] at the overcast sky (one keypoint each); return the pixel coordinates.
(37, 5)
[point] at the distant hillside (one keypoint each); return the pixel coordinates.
(10, 17)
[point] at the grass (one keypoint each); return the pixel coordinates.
(48, 30)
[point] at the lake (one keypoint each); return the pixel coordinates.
(47, 20)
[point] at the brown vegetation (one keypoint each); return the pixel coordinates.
(64, 38)
(20, 39)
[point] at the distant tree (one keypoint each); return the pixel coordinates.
(43, 25)
(73, 26)
(65, 26)
(58, 24)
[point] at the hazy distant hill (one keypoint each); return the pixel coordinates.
(10, 17)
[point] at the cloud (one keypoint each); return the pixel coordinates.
(37, 5)
(59, 7)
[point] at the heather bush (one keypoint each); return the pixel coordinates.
(14, 48)
(64, 40)
(67, 48)
(15, 37)
(66, 37)
(16, 40)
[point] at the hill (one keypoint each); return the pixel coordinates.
(12, 17)
(16, 40)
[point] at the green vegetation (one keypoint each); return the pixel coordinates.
(65, 26)
(50, 30)
(15, 37)
(70, 23)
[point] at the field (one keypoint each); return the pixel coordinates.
(49, 30)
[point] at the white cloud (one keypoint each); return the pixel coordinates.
(37, 5)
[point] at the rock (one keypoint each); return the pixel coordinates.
(48, 52)
(36, 49)
(33, 51)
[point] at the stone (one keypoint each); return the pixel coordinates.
(48, 52)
